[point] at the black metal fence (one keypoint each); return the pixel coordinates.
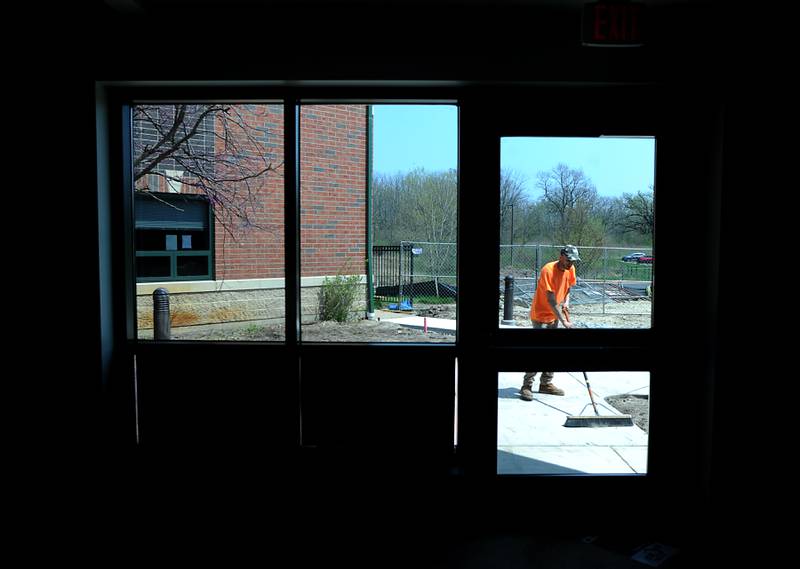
(388, 270)
(415, 270)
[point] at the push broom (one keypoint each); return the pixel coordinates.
(597, 420)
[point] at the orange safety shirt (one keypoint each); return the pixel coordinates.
(554, 280)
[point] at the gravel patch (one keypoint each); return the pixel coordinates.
(637, 406)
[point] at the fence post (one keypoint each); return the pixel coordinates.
(605, 272)
(411, 257)
(400, 275)
(508, 302)
(161, 323)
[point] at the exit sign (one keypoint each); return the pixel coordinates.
(613, 24)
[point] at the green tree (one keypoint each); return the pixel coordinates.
(389, 209)
(639, 214)
(415, 206)
(434, 198)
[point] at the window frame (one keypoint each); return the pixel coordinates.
(589, 349)
(173, 255)
(481, 346)
(121, 100)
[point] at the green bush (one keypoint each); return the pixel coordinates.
(337, 296)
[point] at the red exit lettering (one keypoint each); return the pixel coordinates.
(615, 23)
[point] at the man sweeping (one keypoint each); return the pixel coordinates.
(551, 306)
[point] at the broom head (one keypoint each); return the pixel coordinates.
(599, 421)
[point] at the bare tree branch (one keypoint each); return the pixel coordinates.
(512, 197)
(219, 153)
(570, 196)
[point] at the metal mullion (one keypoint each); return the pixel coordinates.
(127, 223)
(291, 181)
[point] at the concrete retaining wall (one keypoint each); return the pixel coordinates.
(213, 302)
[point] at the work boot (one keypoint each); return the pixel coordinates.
(526, 393)
(549, 388)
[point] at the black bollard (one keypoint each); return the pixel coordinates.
(161, 324)
(508, 302)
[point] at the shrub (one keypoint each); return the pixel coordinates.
(337, 296)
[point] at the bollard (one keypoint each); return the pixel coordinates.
(161, 324)
(508, 302)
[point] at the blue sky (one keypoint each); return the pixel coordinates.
(615, 165)
(426, 136)
(414, 136)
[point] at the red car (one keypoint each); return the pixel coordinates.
(645, 259)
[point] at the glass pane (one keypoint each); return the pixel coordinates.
(209, 177)
(150, 240)
(595, 194)
(539, 432)
(194, 240)
(153, 267)
(192, 266)
(378, 222)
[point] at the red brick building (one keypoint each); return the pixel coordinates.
(218, 248)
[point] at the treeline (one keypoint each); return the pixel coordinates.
(421, 206)
(417, 206)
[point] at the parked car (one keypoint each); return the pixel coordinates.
(632, 257)
(646, 259)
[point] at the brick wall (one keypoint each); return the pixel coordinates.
(333, 161)
(256, 251)
(333, 174)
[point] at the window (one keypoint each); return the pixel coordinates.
(596, 194)
(173, 237)
(209, 218)
(387, 390)
(553, 435)
(378, 222)
(575, 223)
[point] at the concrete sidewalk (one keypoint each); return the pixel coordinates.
(443, 325)
(532, 439)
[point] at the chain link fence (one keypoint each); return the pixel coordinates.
(425, 273)
(606, 275)
(432, 276)
(415, 272)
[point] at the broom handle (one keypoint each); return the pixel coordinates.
(591, 397)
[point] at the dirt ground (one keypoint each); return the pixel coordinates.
(628, 314)
(357, 331)
(632, 314)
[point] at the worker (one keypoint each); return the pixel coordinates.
(549, 308)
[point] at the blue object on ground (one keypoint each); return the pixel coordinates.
(405, 305)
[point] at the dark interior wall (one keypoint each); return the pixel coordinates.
(484, 45)
(411, 39)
